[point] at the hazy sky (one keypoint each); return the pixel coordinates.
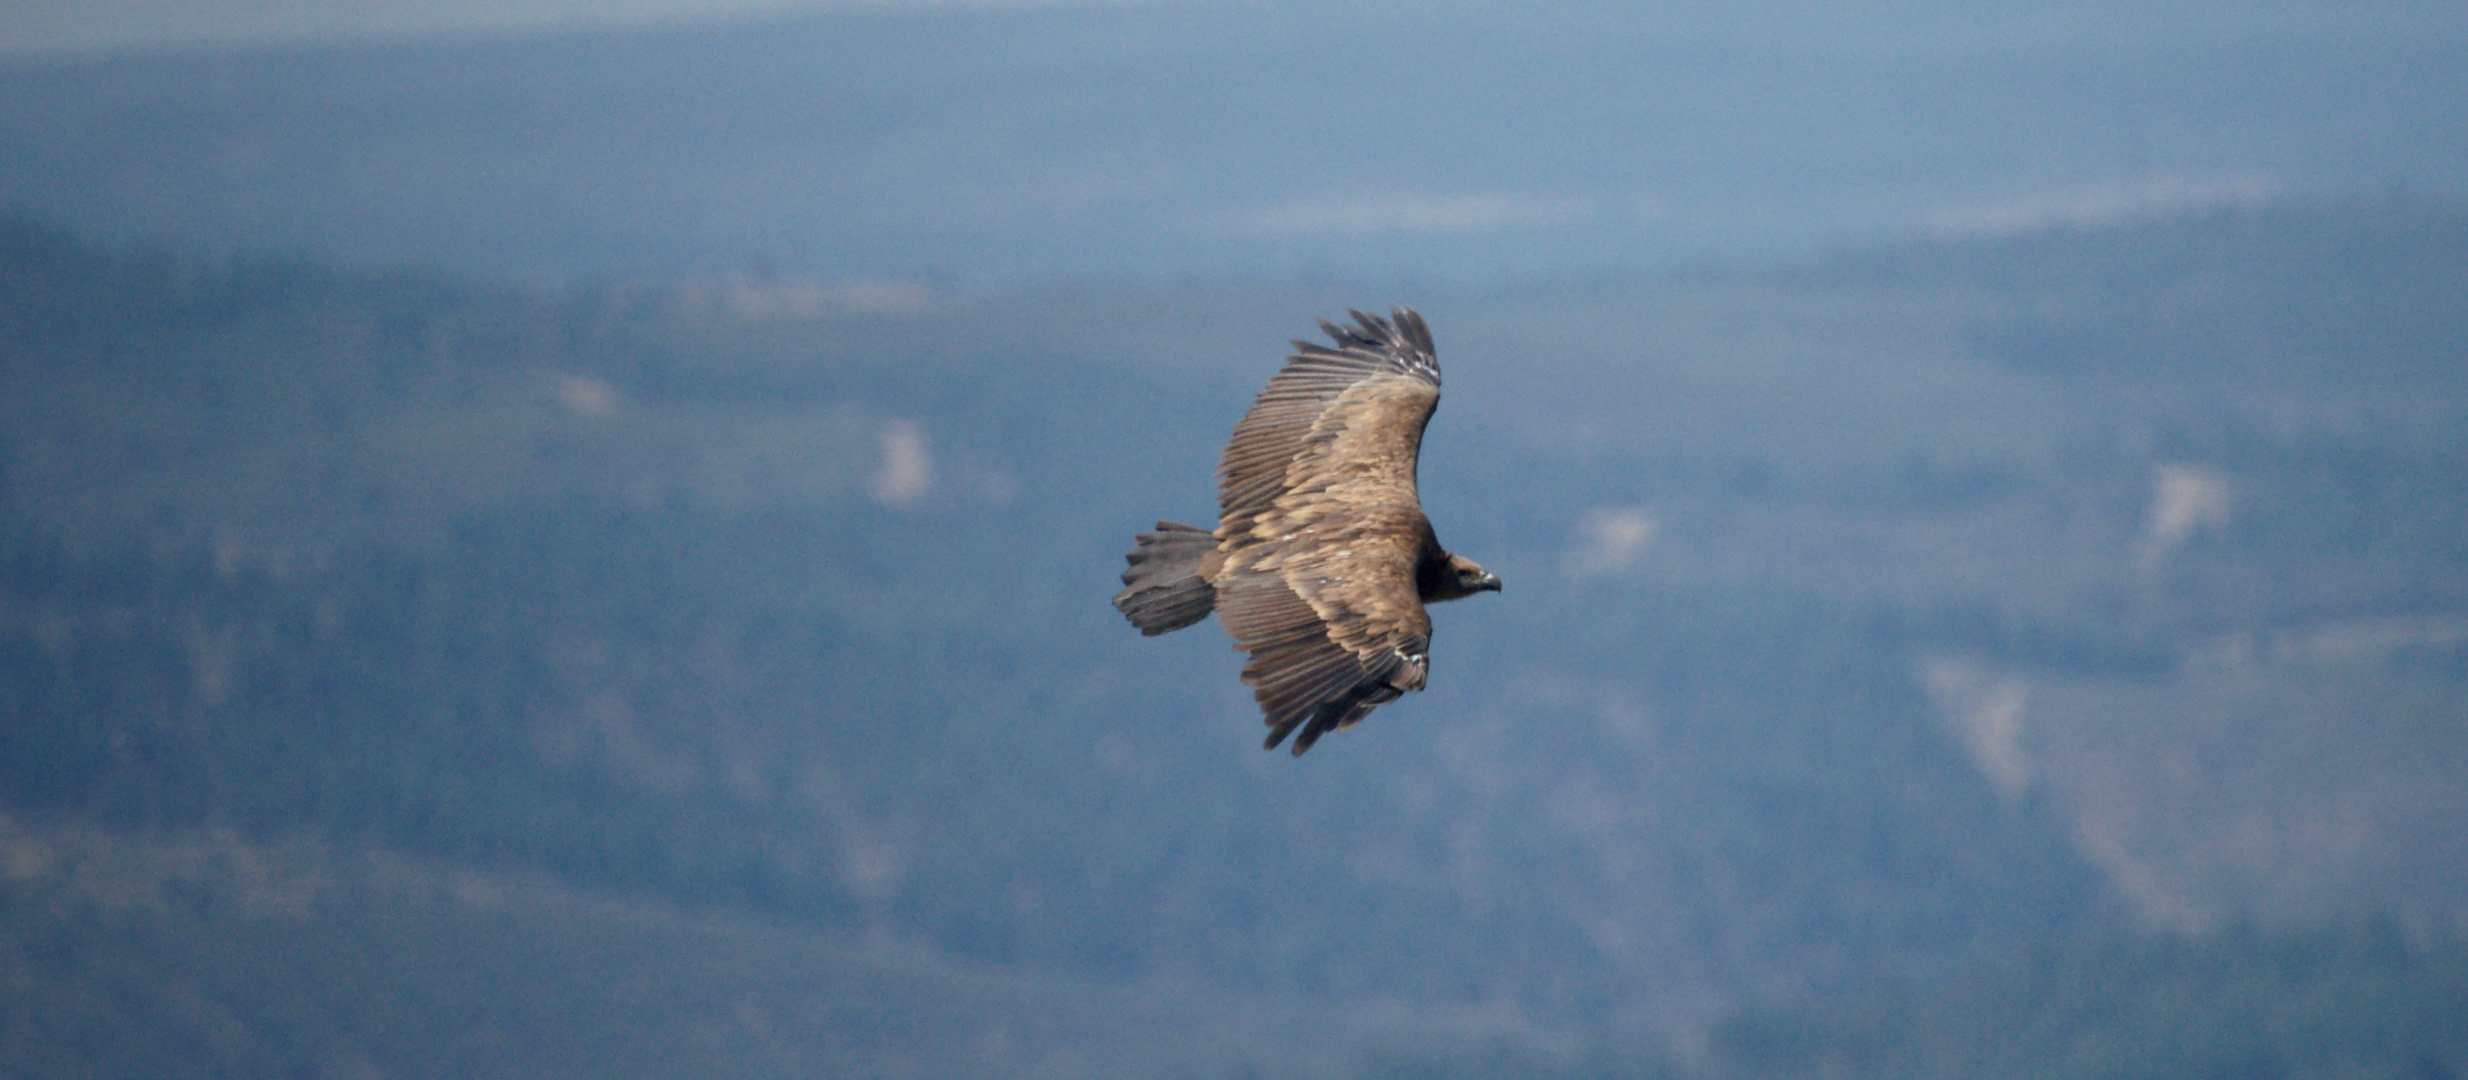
(87, 26)
(53, 26)
(38, 27)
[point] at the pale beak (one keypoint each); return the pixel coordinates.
(1489, 583)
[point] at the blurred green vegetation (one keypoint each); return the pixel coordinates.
(190, 955)
(2356, 999)
(2365, 999)
(1847, 641)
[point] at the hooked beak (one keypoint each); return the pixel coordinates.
(1489, 583)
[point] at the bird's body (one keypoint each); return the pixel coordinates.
(1322, 561)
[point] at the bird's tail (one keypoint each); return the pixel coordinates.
(1163, 590)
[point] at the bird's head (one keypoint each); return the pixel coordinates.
(1464, 578)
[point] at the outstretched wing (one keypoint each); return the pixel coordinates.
(1321, 528)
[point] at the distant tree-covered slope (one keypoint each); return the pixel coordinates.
(1836, 643)
(2339, 298)
(196, 953)
(2356, 999)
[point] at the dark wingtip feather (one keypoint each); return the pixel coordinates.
(1416, 332)
(1278, 733)
(1322, 722)
(1402, 345)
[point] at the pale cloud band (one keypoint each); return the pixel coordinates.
(1411, 213)
(2103, 203)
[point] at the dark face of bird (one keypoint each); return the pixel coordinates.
(1464, 578)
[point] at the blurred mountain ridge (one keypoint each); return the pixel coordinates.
(1469, 143)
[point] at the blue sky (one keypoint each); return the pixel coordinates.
(38, 27)
(76, 26)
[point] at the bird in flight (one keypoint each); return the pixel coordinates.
(1322, 560)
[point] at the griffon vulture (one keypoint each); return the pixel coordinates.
(1322, 560)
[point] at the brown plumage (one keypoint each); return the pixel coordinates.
(1322, 560)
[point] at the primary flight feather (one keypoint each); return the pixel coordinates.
(1322, 559)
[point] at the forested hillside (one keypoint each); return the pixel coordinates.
(1866, 620)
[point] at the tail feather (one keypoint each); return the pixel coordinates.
(1163, 589)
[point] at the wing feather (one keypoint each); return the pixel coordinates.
(1253, 470)
(1321, 527)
